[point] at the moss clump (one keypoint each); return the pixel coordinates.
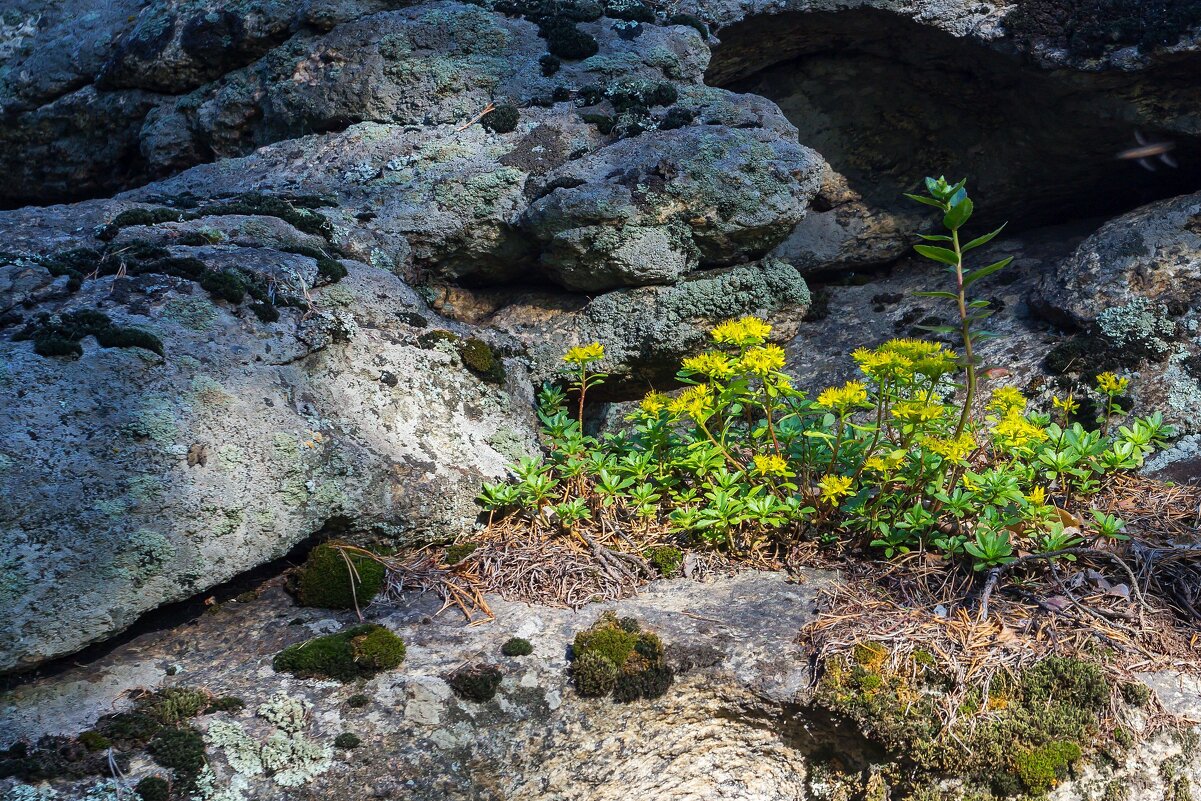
(173, 705)
(594, 676)
(604, 122)
(153, 216)
(607, 638)
(226, 703)
(629, 10)
(347, 740)
(357, 701)
(52, 346)
(377, 649)
(326, 581)
(616, 656)
(153, 788)
(54, 757)
(94, 741)
(229, 285)
(458, 552)
(479, 358)
(1136, 693)
(645, 673)
(181, 750)
(517, 646)
(116, 337)
(502, 119)
(640, 94)
(565, 40)
(358, 652)
(1044, 767)
(550, 65)
(129, 730)
(1025, 733)
(265, 312)
(477, 683)
(665, 558)
(61, 335)
(677, 117)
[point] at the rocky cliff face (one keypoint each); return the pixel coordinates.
(313, 259)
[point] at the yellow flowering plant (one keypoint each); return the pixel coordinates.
(898, 458)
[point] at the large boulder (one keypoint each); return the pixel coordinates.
(154, 465)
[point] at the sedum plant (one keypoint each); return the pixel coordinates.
(898, 459)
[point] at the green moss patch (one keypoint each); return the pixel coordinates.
(358, 652)
(1022, 737)
(181, 750)
(153, 788)
(458, 552)
(329, 580)
(477, 683)
(517, 646)
(60, 335)
(347, 740)
(665, 558)
(54, 757)
(297, 211)
(502, 119)
(617, 656)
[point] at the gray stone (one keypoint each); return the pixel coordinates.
(649, 209)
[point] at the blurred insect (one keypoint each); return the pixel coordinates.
(1147, 153)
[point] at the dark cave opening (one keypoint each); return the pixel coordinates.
(887, 100)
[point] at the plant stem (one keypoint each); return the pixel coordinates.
(965, 329)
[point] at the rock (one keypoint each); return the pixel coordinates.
(1133, 291)
(735, 723)
(1152, 254)
(843, 233)
(132, 479)
(650, 209)
(646, 331)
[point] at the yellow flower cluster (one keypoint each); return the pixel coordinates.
(852, 393)
(886, 462)
(1015, 432)
(1111, 385)
(696, 402)
(710, 363)
(771, 466)
(834, 488)
(917, 411)
(763, 360)
(581, 355)
(654, 402)
(1007, 400)
(1068, 405)
(953, 450)
(904, 358)
(743, 332)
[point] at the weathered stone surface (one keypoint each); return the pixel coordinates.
(1133, 291)
(734, 725)
(648, 210)
(130, 480)
(1151, 254)
(645, 330)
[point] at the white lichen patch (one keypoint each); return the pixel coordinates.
(286, 755)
